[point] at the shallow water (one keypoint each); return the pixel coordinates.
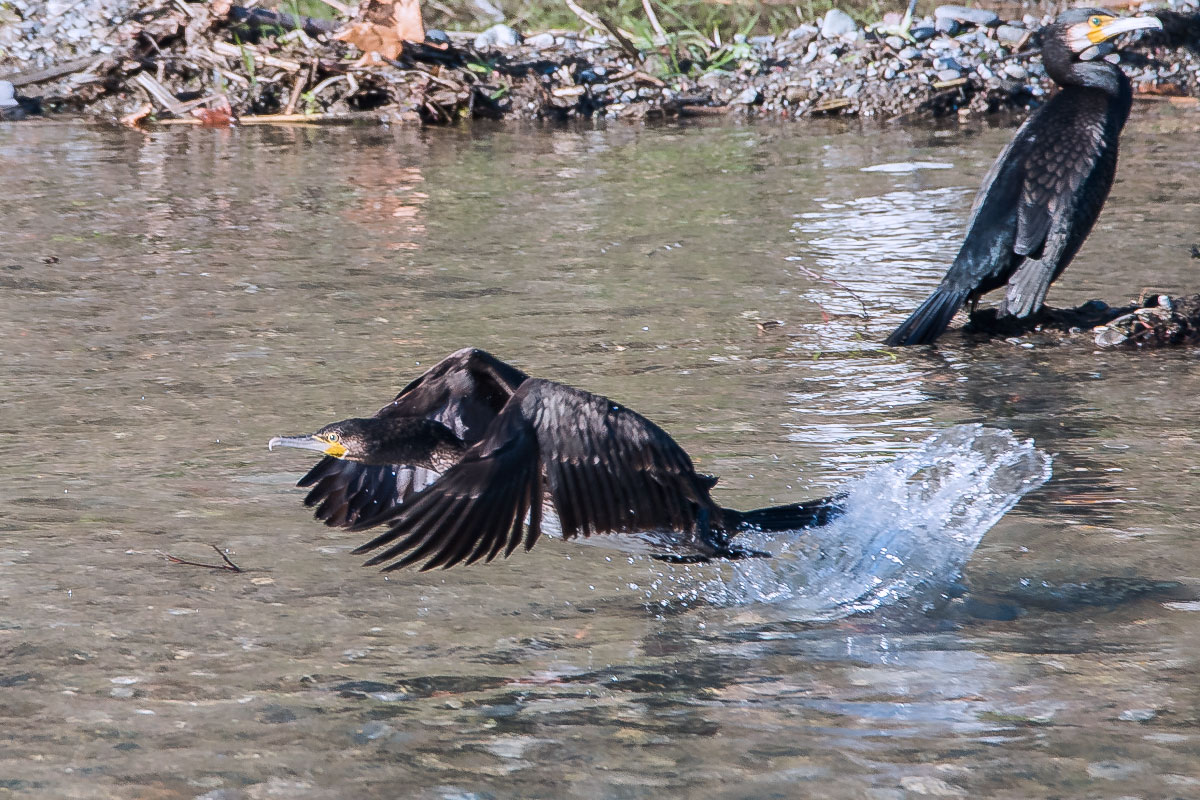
(170, 301)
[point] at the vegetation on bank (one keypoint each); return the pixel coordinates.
(725, 18)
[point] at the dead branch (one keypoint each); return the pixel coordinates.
(228, 566)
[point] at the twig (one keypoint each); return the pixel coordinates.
(228, 566)
(157, 92)
(291, 119)
(234, 51)
(622, 39)
(591, 20)
(301, 80)
(819, 277)
(654, 23)
(588, 18)
(341, 8)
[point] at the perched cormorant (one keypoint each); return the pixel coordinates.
(460, 465)
(1044, 192)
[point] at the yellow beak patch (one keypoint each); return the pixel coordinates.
(335, 449)
(1096, 26)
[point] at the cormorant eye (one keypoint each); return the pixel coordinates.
(1095, 22)
(332, 437)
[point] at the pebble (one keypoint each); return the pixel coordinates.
(748, 97)
(909, 54)
(8, 95)
(837, 23)
(498, 36)
(933, 787)
(946, 62)
(924, 33)
(948, 75)
(1016, 72)
(1138, 714)
(540, 41)
(803, 32)
(971, 16)
(984, 72)
(948, 26)
(1010, 33)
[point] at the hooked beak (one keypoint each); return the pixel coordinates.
(314, 442)
(1123, 25)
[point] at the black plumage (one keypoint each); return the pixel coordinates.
(1043, 194)
(505, 445)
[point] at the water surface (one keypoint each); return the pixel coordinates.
(170, 301)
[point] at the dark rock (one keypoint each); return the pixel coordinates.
(948, 26)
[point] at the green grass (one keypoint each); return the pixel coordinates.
(683, 20)
(678, 16)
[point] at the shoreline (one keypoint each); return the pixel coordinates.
(190, 64)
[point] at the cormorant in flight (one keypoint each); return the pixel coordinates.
(462, 464)
(1044, 192)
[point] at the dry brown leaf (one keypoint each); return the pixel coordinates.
(132, 119)
(371, 39)
(218, 115)
(1160, 89)
(385, 26)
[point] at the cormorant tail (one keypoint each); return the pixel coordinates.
(931, 318)
(791, 517)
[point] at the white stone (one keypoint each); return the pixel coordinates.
(837, 23)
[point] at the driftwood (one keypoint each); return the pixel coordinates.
(20, 79)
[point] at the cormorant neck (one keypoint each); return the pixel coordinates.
(414, 442)
(1064, 70)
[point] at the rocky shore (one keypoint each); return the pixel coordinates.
(150, 61)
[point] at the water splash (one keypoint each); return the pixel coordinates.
(909, 528)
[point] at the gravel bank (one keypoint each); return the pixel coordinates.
(212, 63)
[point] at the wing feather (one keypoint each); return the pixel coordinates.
(605, 468)
(464, 391)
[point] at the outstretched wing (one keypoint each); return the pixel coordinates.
(464, 391)
(607, 470)
(346, 494)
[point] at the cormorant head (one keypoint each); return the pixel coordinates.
(1081, 29)
(411, 441)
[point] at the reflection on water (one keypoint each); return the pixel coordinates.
(169, 301)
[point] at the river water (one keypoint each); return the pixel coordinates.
(170, 301)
